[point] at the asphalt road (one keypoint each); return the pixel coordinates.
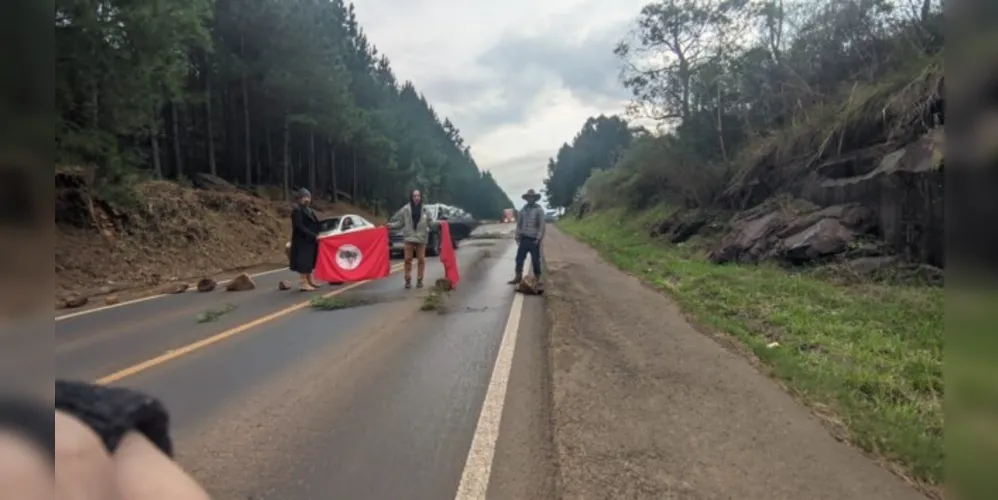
(275, 400)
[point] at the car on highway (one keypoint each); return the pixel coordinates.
(461, 224)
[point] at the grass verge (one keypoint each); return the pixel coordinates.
(868, 358)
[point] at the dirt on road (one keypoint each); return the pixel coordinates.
(645, 406)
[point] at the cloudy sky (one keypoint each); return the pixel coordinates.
(518, 78)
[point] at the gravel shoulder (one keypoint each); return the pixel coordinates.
(645, 406)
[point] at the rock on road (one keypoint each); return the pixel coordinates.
(379, 401)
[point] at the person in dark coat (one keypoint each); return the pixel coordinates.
(304, 239)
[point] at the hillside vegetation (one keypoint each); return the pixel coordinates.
(791, 196)
(248, 100)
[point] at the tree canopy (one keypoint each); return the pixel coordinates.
(737, 85)
(259, 92)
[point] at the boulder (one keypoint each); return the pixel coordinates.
(73, 301)
(904, 193)
(241, 283)
(825, 238)
(174, 288)
(530, 286)
(111, 300)
(797, 235)
(206, 285)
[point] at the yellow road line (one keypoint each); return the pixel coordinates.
(189, 348)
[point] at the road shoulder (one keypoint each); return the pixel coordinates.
(525, 466)
(644, 406)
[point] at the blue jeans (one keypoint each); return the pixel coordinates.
(533, 247)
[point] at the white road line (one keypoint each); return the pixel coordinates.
(143, 299)
(478, 467)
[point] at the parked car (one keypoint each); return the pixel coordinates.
(551, 216)
(338, 225)
(461, 224)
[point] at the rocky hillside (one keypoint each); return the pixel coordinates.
(867, 185)
(159, 232)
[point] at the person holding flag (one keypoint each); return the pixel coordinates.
(416, 222)
(304, 246)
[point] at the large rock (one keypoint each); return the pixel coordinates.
(171, 288)
(241, 283)
(904, 192)
(206, 284)
(795, 236)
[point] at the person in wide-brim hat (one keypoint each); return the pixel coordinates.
(531, 195)
(529, 234)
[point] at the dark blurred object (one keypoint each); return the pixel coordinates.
(30, 419)
(114, 411)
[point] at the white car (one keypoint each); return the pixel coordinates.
(346, 223)
(338, 225)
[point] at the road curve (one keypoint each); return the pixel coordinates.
(380, 401)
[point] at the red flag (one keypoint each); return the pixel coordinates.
(447, 257)
(355, 256)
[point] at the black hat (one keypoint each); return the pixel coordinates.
(531, 195)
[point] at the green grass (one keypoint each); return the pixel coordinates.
(213, 314)
(872, 354)
(336, 302)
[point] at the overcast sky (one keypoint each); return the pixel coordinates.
(517, 77)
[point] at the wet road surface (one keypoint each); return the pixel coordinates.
(380, 401)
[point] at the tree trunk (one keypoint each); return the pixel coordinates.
(287, 157)
(311, 161)
(354, 193)
(720, 126)
(246, 121)
(178, 162)
(156, 165)
(270, 153)
(209, 128)
(332, 171)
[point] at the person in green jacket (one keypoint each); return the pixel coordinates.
(415, 221)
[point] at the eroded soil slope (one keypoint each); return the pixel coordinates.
(162, 232)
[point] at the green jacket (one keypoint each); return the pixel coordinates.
(419, 233)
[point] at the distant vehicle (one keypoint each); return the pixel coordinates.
(340, 224)
(551, 216)
(508, 215)
(461, 224)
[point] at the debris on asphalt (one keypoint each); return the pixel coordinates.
(213, 314)
(241, 283)
(206, 285)
(284, 285)
(174, 288)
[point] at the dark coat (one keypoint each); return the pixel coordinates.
(304, 240)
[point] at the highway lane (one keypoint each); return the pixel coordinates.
(98, 343)
(373, 402)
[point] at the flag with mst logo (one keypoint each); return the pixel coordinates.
(355, 256)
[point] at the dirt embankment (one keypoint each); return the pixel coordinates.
(162, 232)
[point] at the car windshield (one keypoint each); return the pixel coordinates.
(330, 224)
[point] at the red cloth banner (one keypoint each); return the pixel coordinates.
(355, 256)
(447, 257)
